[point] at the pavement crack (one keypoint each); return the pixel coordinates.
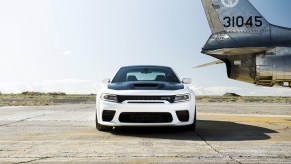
(23, 120)
(217, 151)
(33, 160)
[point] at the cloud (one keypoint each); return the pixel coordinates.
(218, 90)
(245, 91)
(66, 53)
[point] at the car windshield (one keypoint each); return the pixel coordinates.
(146, 73)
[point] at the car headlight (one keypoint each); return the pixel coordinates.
(181, 98)
(109, 97)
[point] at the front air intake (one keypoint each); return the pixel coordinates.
(145, 98)
(108, 115)
(183, 115)
(137, 117)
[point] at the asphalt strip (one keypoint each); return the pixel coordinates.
(247, 115)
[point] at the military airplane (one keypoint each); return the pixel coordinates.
(254, 50)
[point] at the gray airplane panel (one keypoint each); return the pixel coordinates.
(280, 36)
(238, 40)
(276, 65)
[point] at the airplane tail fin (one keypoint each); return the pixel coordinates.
(232, 16)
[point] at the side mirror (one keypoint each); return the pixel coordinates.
(106, 81)
(186, 80)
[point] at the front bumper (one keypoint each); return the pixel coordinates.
(151, 108)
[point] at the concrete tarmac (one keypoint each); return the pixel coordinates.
(226, 133)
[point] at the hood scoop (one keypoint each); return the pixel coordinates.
(144, 85)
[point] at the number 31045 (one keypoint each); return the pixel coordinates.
(241, 21)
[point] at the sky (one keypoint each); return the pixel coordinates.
(71, 45)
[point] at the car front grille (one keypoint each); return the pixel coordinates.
(145, 98)
(145, 117)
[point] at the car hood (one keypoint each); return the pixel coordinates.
(145, 85)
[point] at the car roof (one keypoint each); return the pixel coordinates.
(145, 66)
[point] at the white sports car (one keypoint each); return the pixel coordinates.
(145, 96)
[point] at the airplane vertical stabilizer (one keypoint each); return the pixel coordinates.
(233, 16)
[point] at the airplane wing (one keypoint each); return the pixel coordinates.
(209, 64)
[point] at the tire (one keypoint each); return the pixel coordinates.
(100, 127)
(193, 125)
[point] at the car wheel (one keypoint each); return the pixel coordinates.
(193, 125)
(100, 127)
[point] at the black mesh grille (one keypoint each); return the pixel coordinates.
(166, 98)
(132, 117)
(108, 115)
(183, 116)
